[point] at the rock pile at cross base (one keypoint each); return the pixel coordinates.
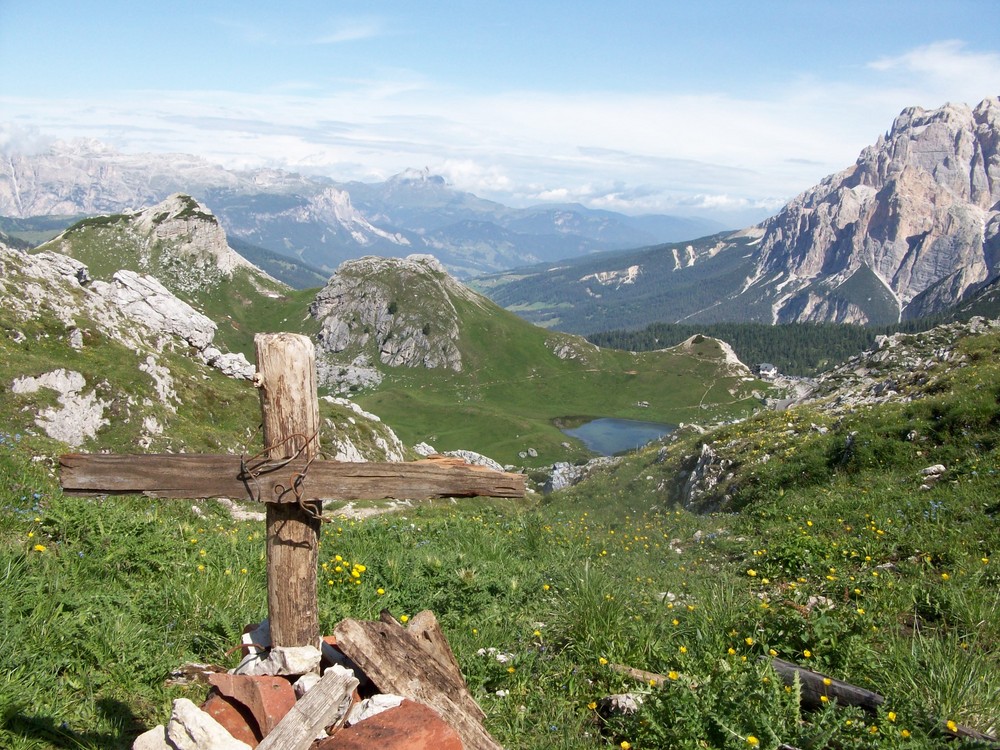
(371, 684)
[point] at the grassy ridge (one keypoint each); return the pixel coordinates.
(242, 304)
(512, 386)
(841, 565)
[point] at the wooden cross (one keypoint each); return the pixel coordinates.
(291, 482)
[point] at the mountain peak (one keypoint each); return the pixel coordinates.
(910, 223)
(178, 240)
(413, 177)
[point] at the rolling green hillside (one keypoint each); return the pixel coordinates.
(514, 388)
(516, 380)
(590, 294)
(483, 379)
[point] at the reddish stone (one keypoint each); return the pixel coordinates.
(409, 726)
(236, 718)
(268, 698)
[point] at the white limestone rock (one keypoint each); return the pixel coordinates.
(153, 739)
(287, 660)
(372, 707)
(147, 301)
(190, 728)
(231, 364)
(79, 415)
(476, 459)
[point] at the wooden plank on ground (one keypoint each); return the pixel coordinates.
(317, 709)
(202, 476)
(393, 659)
(427, 633)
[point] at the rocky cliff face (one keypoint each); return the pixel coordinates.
(397, 312)
(912, 228)
(913, 222)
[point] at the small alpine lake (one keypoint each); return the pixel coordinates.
(609, 436)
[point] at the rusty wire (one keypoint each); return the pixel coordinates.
(260, 463)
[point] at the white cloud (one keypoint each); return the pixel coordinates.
(352, 31)
(945, 70)
(639, 152)
(23, 139)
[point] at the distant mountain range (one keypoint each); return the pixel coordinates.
(319, 223)
(912, 228)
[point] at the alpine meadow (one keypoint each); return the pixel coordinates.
(807, 557)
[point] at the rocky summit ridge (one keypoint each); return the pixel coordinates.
(912, 228)
(918, 213)
(178, 240)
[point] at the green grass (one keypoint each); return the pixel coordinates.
(512, 388)
(825, 551)
(842, 566)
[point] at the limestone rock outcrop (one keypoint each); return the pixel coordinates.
(392, 311)
(132, 308)
(914, 223)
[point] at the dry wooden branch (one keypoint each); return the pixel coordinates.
(815, 685)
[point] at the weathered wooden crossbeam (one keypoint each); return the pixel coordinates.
(289, 480)
(204, 476)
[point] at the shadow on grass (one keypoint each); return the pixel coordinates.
(59, 734)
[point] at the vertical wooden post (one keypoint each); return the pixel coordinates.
(286, 376)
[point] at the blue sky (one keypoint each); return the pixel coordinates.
(657, 106)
